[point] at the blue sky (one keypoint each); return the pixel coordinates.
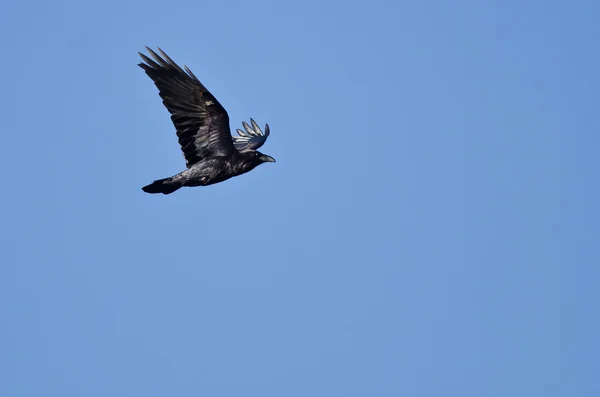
(430, 228)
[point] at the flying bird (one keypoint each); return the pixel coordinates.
(212, 154)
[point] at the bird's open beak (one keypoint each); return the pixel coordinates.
(267, 159)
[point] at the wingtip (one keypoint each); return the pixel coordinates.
(163, 54)
(152, 52)
(142, 55)
(256, 128)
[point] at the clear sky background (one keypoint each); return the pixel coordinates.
(430, 228)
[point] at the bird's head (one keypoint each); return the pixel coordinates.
(252, 159)
(259, 158)
(263, 158)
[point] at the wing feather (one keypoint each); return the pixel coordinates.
(252, 138)
(201, 122)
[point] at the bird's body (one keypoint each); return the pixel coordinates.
(206, 172)
(212, 154)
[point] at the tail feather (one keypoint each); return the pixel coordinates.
(164, 186)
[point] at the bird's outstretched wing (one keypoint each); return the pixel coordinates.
(201, 122)
(252, 138)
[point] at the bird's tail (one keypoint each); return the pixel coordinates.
(164, 186)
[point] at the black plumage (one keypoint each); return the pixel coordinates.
(212, 155)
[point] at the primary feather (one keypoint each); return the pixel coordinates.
(252, 138)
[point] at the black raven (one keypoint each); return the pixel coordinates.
(212, 155)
